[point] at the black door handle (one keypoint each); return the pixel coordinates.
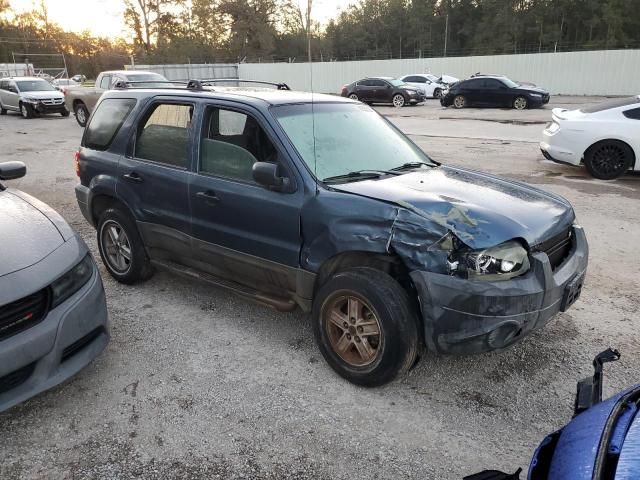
(208, 196)
(133, 177)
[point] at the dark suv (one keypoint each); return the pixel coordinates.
(318, 202)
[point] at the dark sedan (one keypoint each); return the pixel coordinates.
(495, 91)
(383, 90)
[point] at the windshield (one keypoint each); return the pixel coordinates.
(348, 138)
(397, 83)
(34, 86)
(509, 83)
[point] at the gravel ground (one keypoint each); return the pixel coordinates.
(198, 383)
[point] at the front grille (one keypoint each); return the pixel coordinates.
(22, 314)
(78, 345)
(52, 101)
(557, 248)
(16, 378)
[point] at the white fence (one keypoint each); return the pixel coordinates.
(189, 71)
(605, 72)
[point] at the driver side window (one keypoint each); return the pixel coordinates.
(231, 143)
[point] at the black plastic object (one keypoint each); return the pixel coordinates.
(494, 475)
(589, 390)
(279, 86)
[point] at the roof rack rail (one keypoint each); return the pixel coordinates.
(209, 81)
(122, 84)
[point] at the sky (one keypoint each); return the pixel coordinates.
(104, 17)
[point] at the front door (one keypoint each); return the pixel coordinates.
(242, 230)
(154, 178)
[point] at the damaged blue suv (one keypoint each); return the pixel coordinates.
(317, 202)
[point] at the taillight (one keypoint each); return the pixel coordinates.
(76, 159)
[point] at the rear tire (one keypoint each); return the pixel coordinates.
(121, 247)
(353, 96)
(365, 326)
(608, 159)
(3, 111)
(81, 113)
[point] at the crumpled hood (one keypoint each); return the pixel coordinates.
(27, 235)
(480, 209)
(43, 94)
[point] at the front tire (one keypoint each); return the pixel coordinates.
(3, 111)
(608, 159)
(520, 103)
(121, 247)
(365, 327)
(26, 110)
(398, 100)
(353, 96)
(460, 101)
(437, 93)
(81, 113)
(65, 113)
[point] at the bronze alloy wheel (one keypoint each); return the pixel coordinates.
(353, 329)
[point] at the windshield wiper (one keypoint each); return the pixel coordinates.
(359, 175)
(409, 165)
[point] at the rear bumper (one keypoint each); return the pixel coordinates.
(464, 316)
(82, 196)
(561, 154)
(63, 343)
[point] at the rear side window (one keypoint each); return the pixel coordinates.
(619, 102)
(634, 113)
(106, 122)
(164, 135)
(105, 82)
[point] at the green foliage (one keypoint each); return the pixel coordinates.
(180, 31)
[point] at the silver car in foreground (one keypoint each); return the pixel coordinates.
(53, 314)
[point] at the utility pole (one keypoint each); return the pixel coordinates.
(446, 34)
(309, 28)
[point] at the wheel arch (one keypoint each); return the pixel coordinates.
(611, 139)
(103, 200)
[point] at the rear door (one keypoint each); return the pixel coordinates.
(244, 231)
(154, 177)
(474, 91)
(381, 91)
(4, 89)
(364, 90)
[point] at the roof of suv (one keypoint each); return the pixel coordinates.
(268, 96)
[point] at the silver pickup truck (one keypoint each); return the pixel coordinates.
(81, 100)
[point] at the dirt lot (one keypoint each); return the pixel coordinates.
(198, 383)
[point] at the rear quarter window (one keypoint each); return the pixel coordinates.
(106, 122)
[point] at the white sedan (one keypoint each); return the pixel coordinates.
(426, 83)
(604, 137)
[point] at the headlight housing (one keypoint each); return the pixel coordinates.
(30, 100)
(72, 281)
(502, 262)
(536, 95)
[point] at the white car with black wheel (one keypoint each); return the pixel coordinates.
(425, 83)
(604, 137)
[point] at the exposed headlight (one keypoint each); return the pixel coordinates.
(72, 281)
(505, 261)
(537, 95)
(30, 100)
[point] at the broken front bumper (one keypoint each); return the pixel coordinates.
(467, 316)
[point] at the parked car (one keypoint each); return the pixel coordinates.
(318, 202)
(423, 83)
(604, 137)
(79, 78)
(383, 90)
(53, 315)
(30, 96)
(601, 442)
(63, 84)
(82, 100)
(494, 92)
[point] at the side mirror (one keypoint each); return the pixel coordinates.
(268, 175)
(12, 170)
(13, 89)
